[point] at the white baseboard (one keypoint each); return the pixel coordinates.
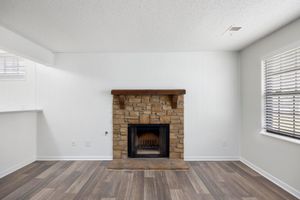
(272, 178)
(186, 158)
(49, 158)
(211, 158)
(16, 167)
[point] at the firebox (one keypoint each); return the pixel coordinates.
(148, 140)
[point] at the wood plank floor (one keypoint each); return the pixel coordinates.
(92, 180)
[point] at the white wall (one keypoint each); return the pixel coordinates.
(18, 140)
(279, 158)
(77, 105)
(17, 129)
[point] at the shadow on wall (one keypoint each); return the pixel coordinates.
(44, 133)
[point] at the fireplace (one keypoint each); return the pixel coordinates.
(148, 140)
(148, 123)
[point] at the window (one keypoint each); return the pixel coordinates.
(282, 93)
(11, 67)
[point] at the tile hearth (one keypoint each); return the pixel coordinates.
(148, 164)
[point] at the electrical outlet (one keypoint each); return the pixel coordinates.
(73, 144)
(87, 144)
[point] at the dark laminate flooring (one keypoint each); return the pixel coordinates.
(92, 180)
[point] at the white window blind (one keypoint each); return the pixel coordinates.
(282, 93)
(11, 67)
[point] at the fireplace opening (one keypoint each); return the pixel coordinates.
(148, 140)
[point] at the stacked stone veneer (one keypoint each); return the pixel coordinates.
(150, 109)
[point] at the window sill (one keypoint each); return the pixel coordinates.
(20, 109)
(280, 137)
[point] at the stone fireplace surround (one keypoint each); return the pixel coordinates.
(147, 107)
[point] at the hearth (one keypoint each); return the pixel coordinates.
(148, 140)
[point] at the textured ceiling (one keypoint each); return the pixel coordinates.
(145, 25)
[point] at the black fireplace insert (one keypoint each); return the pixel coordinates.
(148, 140)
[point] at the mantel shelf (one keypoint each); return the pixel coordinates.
(149, 92)
(172, 93)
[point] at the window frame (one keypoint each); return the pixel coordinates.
(14, 77)
(264, 131)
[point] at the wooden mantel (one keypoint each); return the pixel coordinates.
(172, 93)
(148, 92)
